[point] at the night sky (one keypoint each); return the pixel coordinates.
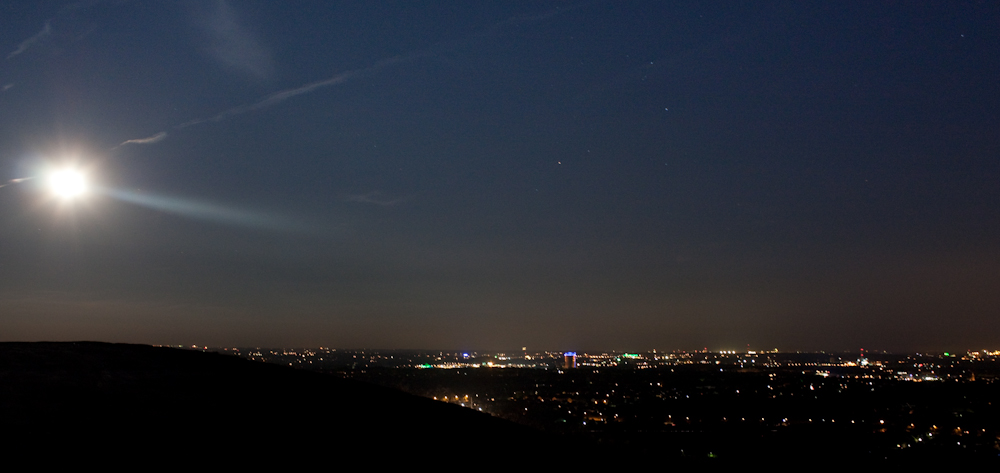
(491, 175)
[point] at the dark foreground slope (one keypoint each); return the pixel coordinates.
(117, 400)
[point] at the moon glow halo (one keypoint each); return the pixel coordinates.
(68, 183)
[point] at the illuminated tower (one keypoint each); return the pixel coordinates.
(569, 359)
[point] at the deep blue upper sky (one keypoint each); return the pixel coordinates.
(556, 175)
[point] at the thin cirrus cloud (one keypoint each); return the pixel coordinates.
(46, 31)
(232, 44)
(228, 32)
(47, 27)
(281, 96)
(15, 181)
(145, 141)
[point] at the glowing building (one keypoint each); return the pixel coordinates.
(569, 359)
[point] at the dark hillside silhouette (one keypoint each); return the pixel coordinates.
(115, 400)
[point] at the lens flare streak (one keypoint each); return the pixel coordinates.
(201, 210)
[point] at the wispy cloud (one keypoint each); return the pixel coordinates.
(234, 45)
(145, 141)
(376, 198)
(235, 35)
(278, 97)
(8, 86)
(15, 181)
(46, 31)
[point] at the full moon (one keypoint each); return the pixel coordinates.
(68, 183)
